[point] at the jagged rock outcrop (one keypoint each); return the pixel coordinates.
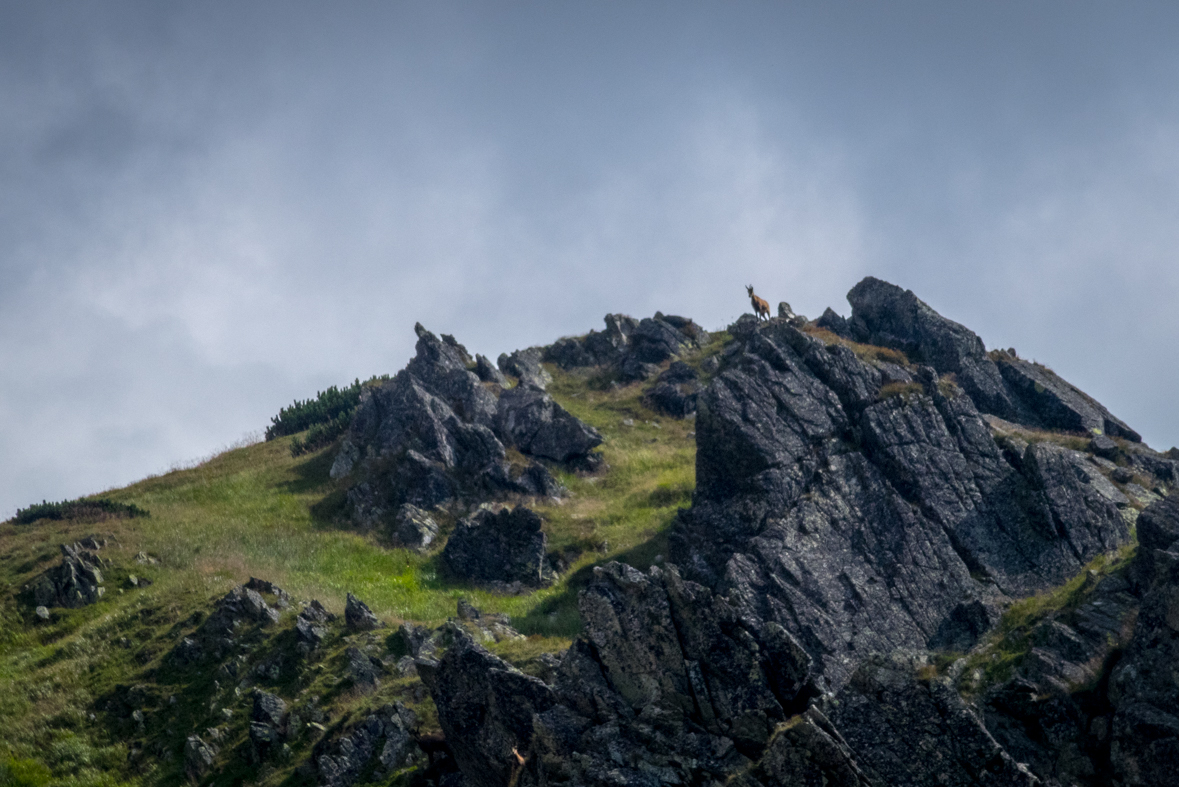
(357, 615)
(806, 751)
(362, 670)
(199, 758)
(1044, 399)
(635, 348)
(311, 626)
(665, 686)
(675, 390)
(1145, 730)
(268, 722)
(75, 582)
(436, 432)
(885, 315)
(379, 746)
(525, 366)
(848, 506)
(236, 615)
(488, 372)
(499, 547)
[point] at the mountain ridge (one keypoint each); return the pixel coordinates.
(870, 496)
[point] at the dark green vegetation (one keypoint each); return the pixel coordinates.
(68, 685)
(327, 409)
(91, 508)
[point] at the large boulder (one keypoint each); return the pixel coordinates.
(675, 391)
(499, 547)
(311, 626)
(525, 366)
(357, 615)
(486, 709)
(199, 758)
(413, 528)
(530, 420)
(268, 724)
(635, 348)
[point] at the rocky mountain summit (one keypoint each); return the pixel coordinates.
(854, 511)
(906, 561)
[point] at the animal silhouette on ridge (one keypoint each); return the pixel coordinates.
(760, 307)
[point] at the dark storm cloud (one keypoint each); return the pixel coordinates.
(210, 209)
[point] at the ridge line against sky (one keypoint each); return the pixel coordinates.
(212, 209)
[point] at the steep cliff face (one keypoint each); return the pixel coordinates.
(861, 517)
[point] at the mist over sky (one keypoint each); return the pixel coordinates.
(211, 209)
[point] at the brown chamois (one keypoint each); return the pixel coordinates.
(760, 307)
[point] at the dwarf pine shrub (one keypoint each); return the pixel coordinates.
(92, 508)
(326, 407)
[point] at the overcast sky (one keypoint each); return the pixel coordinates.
(211, 209)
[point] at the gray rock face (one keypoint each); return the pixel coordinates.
(675, 391)
(75, 582)
(662, 676)
(1144, 747)
(268, 722)
(530, 419)
(311, 626)
(884, 314)
(1158, 525)
(199, 758)
(634, 347)
(485, 708)
(486, 371)
(364, 671)
(357, 615)
(413, 528)
(504, 547)
(525, 366)
(1044, 399)
(856, 522)
(912, 732)
(808, 752)
(833, 322)
(378, 747)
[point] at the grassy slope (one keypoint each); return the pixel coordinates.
(256, 511)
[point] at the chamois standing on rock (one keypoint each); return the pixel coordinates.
(760, 307)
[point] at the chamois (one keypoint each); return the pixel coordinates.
(760, 307)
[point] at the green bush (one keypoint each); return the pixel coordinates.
(93, 508)
(327, 406)
(23, 773)
(321, 434)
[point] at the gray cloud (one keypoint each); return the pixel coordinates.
(212, 209)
